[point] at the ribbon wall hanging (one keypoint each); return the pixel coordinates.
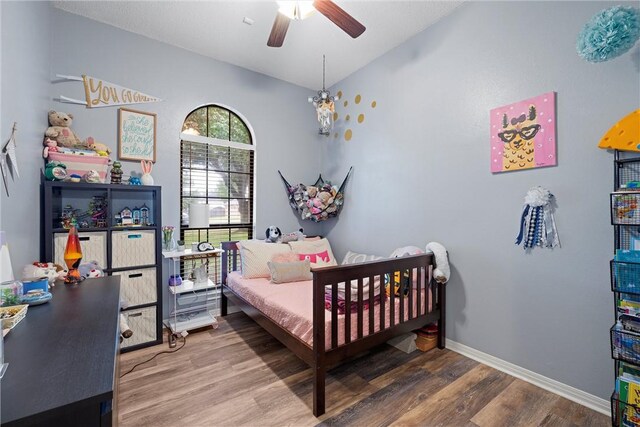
(537, 225)
(317, 202)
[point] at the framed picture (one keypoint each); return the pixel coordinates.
(523, 134)
(136, 135)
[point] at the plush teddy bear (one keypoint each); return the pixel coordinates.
(98, 147)
(50, 146)
(60, 130)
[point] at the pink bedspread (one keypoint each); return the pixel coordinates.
(291, 306)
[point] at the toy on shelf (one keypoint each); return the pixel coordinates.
(98, 147)
(134, 180)
(50, 146)
(60, 130)
(126, 217)
(94, 216)
(55, 171)
(116, 173)
(146, 177)
(145, 218)
(92, 177)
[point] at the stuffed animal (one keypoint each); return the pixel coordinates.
(98, 147)
(90, 270)
(273, 234)
(292, 237)
(134, 180)
(50, 146)
(146, 177)
(405, 251)
(60, 130)
(442, 272)
(92, 177)
(49, 270)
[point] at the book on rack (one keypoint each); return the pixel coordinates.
(628, 389)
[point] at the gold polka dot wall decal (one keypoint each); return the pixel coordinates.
(347, 135)
(339, 94)
(360, 118)
(335, 116)
(373, 104)
(358, 99)
(346, 103)
(347, 117)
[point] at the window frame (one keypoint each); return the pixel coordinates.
(251, 146)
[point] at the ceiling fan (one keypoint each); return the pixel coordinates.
(299, 10)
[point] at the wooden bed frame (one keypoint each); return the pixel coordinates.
(320, 358)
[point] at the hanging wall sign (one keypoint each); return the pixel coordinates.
(136, 135)
(101, 93)
(523, 134)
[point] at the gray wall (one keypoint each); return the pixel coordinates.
(422, 174)
(25, 89)
(278, 112)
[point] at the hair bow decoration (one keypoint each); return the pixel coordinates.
(537, 225)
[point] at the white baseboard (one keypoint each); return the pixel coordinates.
(583, 398)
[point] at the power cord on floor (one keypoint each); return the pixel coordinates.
(184, 342)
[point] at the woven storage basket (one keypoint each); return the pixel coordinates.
(12, 321)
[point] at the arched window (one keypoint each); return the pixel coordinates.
(217, 168)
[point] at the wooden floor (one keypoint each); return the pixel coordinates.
(239, 375)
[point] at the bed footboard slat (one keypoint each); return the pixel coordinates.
(371, 305)
(347, 312)
(361, 307)
(392, 301)
(382, 302)
(334, 315)
(402, 296)
(411, 294)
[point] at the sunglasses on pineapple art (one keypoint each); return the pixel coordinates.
(525, 133)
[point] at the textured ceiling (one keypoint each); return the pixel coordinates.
(215, 29)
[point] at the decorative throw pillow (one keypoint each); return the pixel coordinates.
(314, 251)
(285, 257)
(355, 258)
(285, 272)
(255, 254)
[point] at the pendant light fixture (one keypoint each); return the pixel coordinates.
(324, 104)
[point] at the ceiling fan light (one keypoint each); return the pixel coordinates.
(296, 9)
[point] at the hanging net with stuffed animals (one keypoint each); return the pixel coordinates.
(317, 202)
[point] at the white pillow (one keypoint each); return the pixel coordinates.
(355, 258)
(255, 254)
(316, 251)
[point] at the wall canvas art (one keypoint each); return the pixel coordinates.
(523, 134)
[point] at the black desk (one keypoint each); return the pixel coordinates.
(63, 358)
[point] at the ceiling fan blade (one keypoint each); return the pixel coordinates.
(339, 17)
(278, 31)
